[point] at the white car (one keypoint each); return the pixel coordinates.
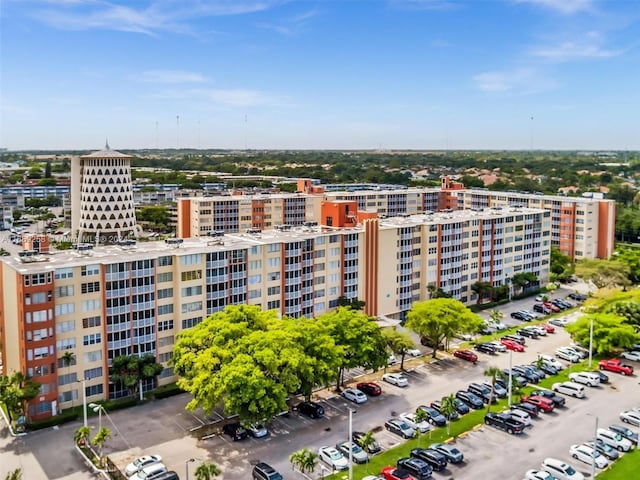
(568, 354)
(634, 356)
(332, 457)
(354, 395)
(561, 470)
(257, 430)
(411, 420)
(614, 440)
(586, 454)
(549, 360)
(631, 416)
(396, 379)
(521, 415)
(590, 379)
(569, 388)
(141, 462)
(559, 322)
(498, 346)
(392, 359)
(414, 352)
(541, 330)
(149, 472)
(541, 298)
(531, 313)
(538, 475)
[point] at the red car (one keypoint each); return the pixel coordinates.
(370, 388)
(551, 307)
(511, 345)
(548, 328)
(393, 473)
(542, 403)
(615, 365)
(467, 355)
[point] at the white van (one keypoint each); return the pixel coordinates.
(150, 473)
(569, 388)
(590, 379)
(614, 440)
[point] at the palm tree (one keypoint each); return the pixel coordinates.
(100, 439)
(421, 416)
(14, 475)
(495, 315)
(366, 442)
(67, 359)
(304, 459)
(207, 471)
(81, 436)
(448, 408)
(494, 373)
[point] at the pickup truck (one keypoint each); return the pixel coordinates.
(504, 421)
(615, 365)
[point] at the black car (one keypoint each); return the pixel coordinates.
(578, 297)
(485, 348)
(557, 400)
(527, 333)
(461, 407)
(481, 391)
(560, 301)
(604, 378)
(505, 381)
(516, 338)
(235, 431)
(372, 448)
(400, 427)
(435, 459)
(264, 471)
(433, 416)
(505, 422)
(532, 410)
(538, 307)
(521, 316)
(438, 406)
(419, 469)
(311, 409)
(548, 369)
(470, 399)
(529, 376)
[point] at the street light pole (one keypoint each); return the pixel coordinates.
(590, 342)
(593, 449)
(349, 442)
(84, 401)
(97, 408)
(510, 376)
(186, 464)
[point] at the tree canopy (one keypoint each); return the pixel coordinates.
(604, 273)
(129, 370)
(610, 332)
(399, 343)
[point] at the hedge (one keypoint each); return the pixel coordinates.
(65, 416)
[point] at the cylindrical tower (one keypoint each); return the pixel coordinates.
(102, 207)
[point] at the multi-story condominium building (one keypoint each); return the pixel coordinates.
(35, 191)
(581, 227)
(112, 300)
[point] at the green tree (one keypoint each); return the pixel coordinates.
(496, 315)
(129, 370)
(441, 319)
(154, 214)
(81, 435)
(482, 290)
(448, 408)
(521, 281)
(359, 339)
(47, 169)
(14, 474)
(610, 332)
(561, 265)
(398, 342)
(305, 460)
(493, 373)
(604, 273)
(15, 390)
(207, 471)
(103, 435)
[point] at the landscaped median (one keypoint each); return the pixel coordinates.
(625, 468)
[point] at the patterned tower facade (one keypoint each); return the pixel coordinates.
(102, 197)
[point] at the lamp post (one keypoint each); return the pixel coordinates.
(84, 401)
(186, 464)
(510, 384)
(97, 408)
(593, 449)
(349, 442)
(590, 342)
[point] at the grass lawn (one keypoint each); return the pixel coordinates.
(625, 468)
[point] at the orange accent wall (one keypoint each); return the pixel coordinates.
(371, 247)
(339, 213)
(257, 214)
(568, 228)
(184, 218)
(606, 229)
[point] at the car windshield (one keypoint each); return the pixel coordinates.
(355, 448)
(454, 451)
(618, 437)
(139, 461)
(570, 470)
(403, 425)
(335, 455)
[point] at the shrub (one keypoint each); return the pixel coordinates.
(111, 405)
(166, 391)
(66, 416)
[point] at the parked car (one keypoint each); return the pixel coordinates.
(264, 471)
(567, 354)
(332, 457)
(542, 403)
(470, 399)
(150, 472)
(551, 306)
(521, 316)
(370, 388)
(511, 345)
(311, 409)
(606, 450)
(520, 415)
(516, 338)
(525, 332)
(604, 378)
(578, 297)
(538, 475)
(373, 447)
(412, 421)
(498, 390)
(257, 430)
(235, 431)
(419, 469)
(542, 332)
(534, 375)
(546, 368)
(548, 359)
(413, 352)
(467, 355)
(436, 460)
(504, 382)
(625, 432)
(393, 473)
(557, 400)
(505, 422)
(532, 314)
(483, 392)
(548, 327)
(434, 417)
(589, 455)
(531, 409)
(561, 470)
(354, 395)
(559, 322)
(614, 439)
(561, 302)
(540, 308)
(498, 346)
(615, 365)
(452, 454)
(569, 388)
(485, 348)
(632, 355)
(396, 379)
(589, 379)
(141, 462)
(461, 407)
(399, 427)
(580, 350)
(631, 417)
(438, 406)
(358, 455)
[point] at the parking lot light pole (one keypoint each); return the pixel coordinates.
(97, 408)
(510, 376)
(593, 449)
(349, 442)
(590, 342)
(186, 464)
(84, 401)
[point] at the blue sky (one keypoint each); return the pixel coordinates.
(351, 74)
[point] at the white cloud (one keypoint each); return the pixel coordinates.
(589, 46)
(521, 81)
(169, 76)
(230, 97)
(566, 7)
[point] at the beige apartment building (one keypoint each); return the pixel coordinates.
(104, 301)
